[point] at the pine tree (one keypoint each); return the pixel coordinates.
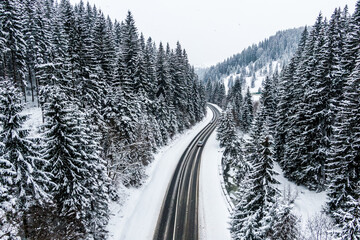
(287, 97)
(287, 224)
(267, 101)
(150, 60)
(220, 97)
(179, 86)
(351, 45)
(247, 112)
(25, 178)
(260, 196)
(303, 136)
(14, 56)
(132, 79)
(165, 113)
(343, 164)
(350, 220)
(236, 100)
(66, 164)
(94, 177)
(103, 51)
(316, 113)
(233, 155)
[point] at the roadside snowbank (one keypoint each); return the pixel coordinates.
(214, 215)
(136, 218)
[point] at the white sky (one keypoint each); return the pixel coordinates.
(212, 30)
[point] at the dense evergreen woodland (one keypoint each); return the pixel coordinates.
(308, 121)
(253, 62)
(109, 99)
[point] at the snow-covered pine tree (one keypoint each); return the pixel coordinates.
(247, 112)
(165, 114)
(30, 31)
(343, 165)
(2, 43)
(226, 126)
(143, 85)
(209, 90)
(94, 179)
(286, 98)
(335, 38)
(190, 78)
(300, 144)
(12, 31)
(179, 85)
(198, 98)
(286, 226)
(23, 169)
(130, 53)
(220, 97)
(8, 224)
(91, 82)
(236, 100)
(68, 169)
(232, 158)
(350, 222)
(267, 102)
(103, 47)
(352, 42)
(150, 60)
(259, 199)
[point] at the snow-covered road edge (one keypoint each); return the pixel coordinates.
(214, 215)
(137, 217)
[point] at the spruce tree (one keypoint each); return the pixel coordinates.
(350, 220)
(351, 45)
(25, 178)
(247, 112)
(287, 96)
(235, 98)
(233, 155)
(94, 177)
(12, 30)
(260, 196)
(286, 226)
(67, 167)
(343, 166)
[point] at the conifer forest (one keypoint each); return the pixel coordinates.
(91, 109)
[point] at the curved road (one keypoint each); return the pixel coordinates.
(178, 219)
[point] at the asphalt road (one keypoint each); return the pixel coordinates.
(178, 219)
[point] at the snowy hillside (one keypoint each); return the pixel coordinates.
(251, 66)
(255, 81)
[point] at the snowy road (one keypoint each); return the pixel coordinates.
(136, 216)
(179, 213)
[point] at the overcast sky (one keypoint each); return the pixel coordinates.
(212, 30)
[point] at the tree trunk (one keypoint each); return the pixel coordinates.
(13, 59)
(25, 227)
(31, 83)
(37, 90)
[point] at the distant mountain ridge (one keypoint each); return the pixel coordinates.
(279, 47)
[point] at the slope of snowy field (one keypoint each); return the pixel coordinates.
(259, 78)
(214, 214)
(137, 216)
(308, 203)
(34, 121)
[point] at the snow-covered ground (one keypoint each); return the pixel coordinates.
(308, 203)
(34, 121)
(214, 215)
(259, 78)
(137, 216)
